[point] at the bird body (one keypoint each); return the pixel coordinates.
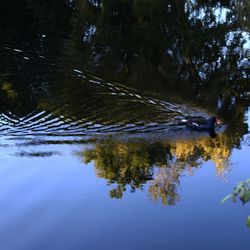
(201, 123)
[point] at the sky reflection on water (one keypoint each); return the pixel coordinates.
(59, 203)
(92, 152)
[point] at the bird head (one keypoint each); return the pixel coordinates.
(217, 121)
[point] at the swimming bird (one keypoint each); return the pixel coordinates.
(201, 123)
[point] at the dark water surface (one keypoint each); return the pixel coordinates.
(93, 151)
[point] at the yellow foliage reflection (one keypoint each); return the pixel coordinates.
(8, 90)
(217, 150)
(159, 165)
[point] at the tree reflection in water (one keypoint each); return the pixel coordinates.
(174, 50)
(136, 162)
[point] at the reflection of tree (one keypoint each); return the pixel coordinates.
(177, 48)
(164, 185)
(136, 162)
(9, 97)
(217, 150)
(149, 44)
(144, 39)
(125, 163)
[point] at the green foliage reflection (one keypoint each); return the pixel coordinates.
(125, 163)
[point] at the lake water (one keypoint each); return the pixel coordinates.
(94, 153)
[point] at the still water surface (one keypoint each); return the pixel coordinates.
(93, 152)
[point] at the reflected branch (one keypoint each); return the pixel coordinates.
(158, 165)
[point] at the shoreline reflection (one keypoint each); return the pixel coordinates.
(137, 163)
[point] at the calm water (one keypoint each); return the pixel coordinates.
(93, 152)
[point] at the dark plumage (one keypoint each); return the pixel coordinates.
(201, 123)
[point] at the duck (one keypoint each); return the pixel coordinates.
(201, 123)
